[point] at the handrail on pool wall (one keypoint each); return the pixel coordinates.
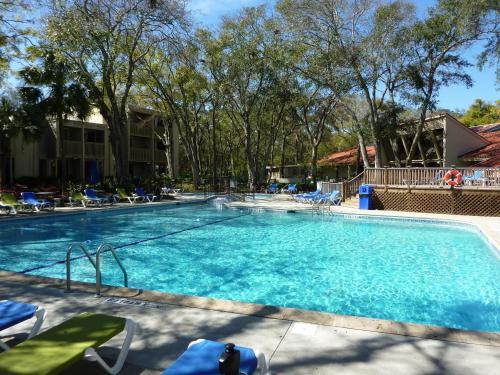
(68, 261)
(98, 266)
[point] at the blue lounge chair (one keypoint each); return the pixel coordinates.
(29, 199)
(307, 197)
(273, 188)
(329, 199)
(139, 192)
(202, 358)
(12, 313)
(91, 197)
(291, 189)
(477, 177)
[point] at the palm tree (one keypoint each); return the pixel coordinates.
(51, 86)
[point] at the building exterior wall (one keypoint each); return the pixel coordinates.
(459, 140)
(27, 157)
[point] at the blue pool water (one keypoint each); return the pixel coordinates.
(405, 271)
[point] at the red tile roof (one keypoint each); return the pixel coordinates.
(489, 155)
(347, 157)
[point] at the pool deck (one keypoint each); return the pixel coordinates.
(297, 341)
(164, 331)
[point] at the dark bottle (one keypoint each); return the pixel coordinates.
(229, 361)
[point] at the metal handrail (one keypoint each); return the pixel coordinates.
(98, 266)
(68, 262)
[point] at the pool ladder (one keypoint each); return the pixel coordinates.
(97, 264)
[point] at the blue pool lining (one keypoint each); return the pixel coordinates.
(28, 270)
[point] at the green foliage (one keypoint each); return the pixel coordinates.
(481, 112)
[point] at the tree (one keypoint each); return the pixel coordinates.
(181, 91)
(481, 112)
(13, 31)
(364, 36)
(437, 46)
(22, 115)
(104, 41)
(354, 118)
(249, 79)
(8, 129)
(56, 94)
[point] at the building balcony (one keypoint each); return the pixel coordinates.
(141, 131)
(92, 149)
(160, 156)
(141, 155)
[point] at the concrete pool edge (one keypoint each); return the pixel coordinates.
(272, 312)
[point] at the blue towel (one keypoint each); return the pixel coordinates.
(12, 313)
(203, 359)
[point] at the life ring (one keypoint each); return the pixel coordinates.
(453, 177)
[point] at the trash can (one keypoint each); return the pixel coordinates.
(365, 197)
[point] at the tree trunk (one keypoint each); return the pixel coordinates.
(282, 156)
(378, 153)
(362, 148)
(214, 149)
(62, 155)
(314, 161)
(195, 170)
(118, 139)
(249, 156)
(395, 151)
(3, 158)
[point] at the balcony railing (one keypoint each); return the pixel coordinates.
(92, 149)
(73, 148)
(143, 131)
(141, 154)
(160, 156)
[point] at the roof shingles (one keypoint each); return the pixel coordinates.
(489, 155)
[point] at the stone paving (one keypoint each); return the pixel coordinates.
(164, 331)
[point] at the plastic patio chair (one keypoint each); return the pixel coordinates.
(13, 313)
(273, 188)
(139, 192)
(202, 357)
(65, 344)
(122, 195)
(9, 201)
(91, 197)
(476, 177)
(291, 189)
(307, 197)
(29, 199)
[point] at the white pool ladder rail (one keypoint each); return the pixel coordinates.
(96, 264)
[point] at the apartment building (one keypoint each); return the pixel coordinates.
(88, 152)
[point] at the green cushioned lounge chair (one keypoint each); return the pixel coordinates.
(10, 201)
(61, 346)
(76, 198)
(122, 195)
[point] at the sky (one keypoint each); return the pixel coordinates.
(209, 13)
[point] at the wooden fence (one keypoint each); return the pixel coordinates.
(485, 177)
(488, 178)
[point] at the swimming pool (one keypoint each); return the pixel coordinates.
(407, 271)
